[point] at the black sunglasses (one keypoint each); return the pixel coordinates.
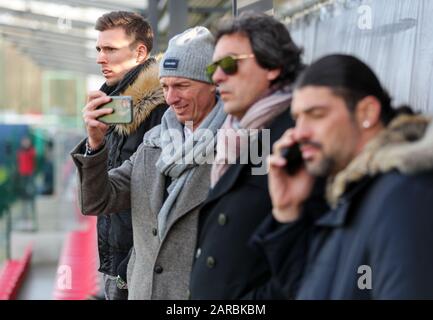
(228, 64)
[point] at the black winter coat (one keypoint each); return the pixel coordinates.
(376, 243)
(225, 267)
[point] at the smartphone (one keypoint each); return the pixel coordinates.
(122, 110)
(293, 155)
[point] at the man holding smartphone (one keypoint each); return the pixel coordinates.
(124, 44)
(160, 183)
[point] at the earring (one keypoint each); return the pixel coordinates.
(366, 124)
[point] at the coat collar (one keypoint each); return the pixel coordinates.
(337, 216)
(228, 180)
(146, 93)
(406, 145)
(193, 195)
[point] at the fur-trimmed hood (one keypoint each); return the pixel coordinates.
(146, 93)
(406, 145)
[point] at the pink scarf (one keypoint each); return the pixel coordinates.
(233, 137)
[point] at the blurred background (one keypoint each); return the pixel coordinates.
(48, 64)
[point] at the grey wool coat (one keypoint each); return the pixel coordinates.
(157, 269)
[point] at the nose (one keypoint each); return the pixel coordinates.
(302, 130)
(101, 57)
(219, 76)
(171, 96)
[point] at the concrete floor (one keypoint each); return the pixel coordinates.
(39, 283)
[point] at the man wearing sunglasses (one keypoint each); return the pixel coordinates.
(254, 64)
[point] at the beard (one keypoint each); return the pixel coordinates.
(322, 169)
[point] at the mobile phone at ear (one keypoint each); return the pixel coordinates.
(293, 156)
(122, 110)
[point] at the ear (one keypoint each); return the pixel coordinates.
(141, 52)
(368, 112)
(273, 74)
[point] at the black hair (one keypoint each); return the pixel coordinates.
(271, 42)
(352, 80)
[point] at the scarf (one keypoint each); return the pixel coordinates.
(178, 156)
(233, 138)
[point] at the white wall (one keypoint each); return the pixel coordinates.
(398, 46)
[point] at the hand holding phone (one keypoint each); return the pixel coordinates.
(96, 130)
(122, 110)
(294, 159)
(289, 183)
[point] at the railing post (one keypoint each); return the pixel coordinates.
(234, 8)
(8, 233)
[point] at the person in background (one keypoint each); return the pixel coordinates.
(26, 168)
(47, 187)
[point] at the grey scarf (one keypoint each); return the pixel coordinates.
(177, 159)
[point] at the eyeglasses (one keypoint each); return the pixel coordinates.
(228, 64)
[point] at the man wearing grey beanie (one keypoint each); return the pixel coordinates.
(163, 183)
(187, 55)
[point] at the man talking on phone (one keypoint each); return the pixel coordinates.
(166, 180)
(374, 241)
(124, 44)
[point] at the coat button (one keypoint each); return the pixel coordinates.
(222, 219)
(154, 232)
(210, 262)
(158, 269)
(198, 253)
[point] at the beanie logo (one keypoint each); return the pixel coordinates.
(171, 64)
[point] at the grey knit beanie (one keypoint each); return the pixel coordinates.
(188, 54)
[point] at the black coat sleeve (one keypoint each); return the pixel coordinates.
(285, 247)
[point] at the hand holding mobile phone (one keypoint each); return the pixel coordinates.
(122, 110)
(294, 159)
